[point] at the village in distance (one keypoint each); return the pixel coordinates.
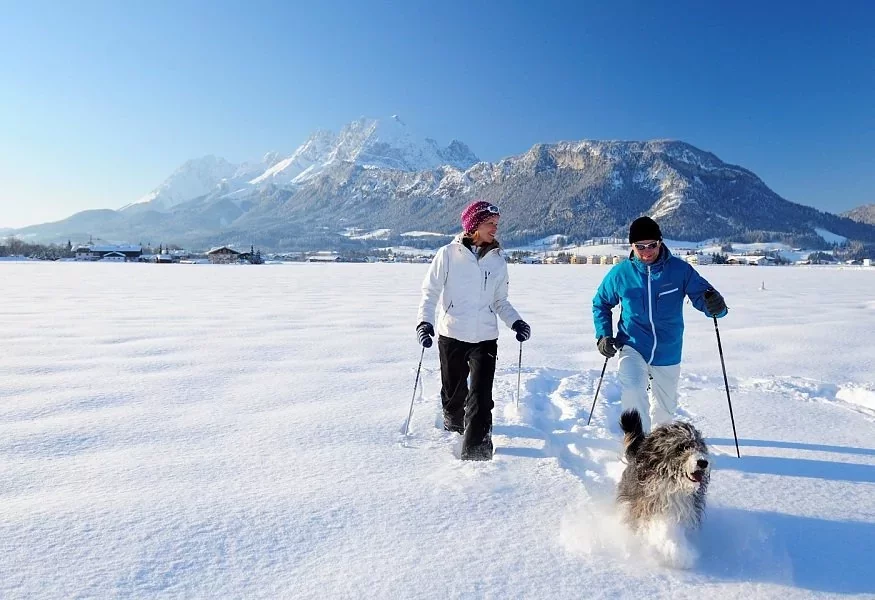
(551, 250)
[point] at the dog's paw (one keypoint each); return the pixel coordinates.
(678, 554)
(671, 545)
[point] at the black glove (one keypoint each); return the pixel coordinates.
(523, 331)
(607, 347)
(425, 332)
(714, 303)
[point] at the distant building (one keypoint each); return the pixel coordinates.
(223, 255)
(113, 257)
(91, 252)
(867, 262)
(699, 259)
(324, 257)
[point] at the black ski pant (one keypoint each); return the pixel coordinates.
(458, 359)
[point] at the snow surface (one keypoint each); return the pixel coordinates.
(220, 431)
(830, 237)
(425, 234)
(377, 234)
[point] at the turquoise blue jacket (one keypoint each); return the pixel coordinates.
(651, 299)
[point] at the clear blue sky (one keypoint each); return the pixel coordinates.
(100, 102)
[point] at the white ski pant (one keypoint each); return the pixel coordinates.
(651, 390)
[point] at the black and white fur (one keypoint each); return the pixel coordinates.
(662, 490)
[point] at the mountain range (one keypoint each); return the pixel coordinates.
(379, 175)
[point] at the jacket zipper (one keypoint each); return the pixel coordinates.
(650, 316)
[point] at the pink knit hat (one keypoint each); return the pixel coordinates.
(477, 212)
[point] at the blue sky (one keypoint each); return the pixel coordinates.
(100, 102)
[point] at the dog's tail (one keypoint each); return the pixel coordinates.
(630, 423)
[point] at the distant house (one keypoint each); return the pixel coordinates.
(760, 260)
(867, 262)
(699, 259)
(90, 252)
(113, 257)
(324, 257)
(223, 255)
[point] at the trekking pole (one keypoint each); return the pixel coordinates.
(725, 380)
(519, 371)
(605, 366)
(415, 385)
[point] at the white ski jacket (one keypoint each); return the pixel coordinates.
(469, 293)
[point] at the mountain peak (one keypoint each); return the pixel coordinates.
(370, 143)
(271, 158)
(195, 177)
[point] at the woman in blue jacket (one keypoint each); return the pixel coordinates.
(650, 289)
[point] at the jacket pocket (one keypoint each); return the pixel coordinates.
(634, 303)
(669, 303)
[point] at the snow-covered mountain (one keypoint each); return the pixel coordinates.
(863, 214)
(369, 143)
(376, 174)
(389, 144)
(579, 189)
(310, 155)
(194, 178)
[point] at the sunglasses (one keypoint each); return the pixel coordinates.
(492, 209)
(649, 246)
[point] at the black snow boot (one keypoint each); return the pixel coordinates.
(481, 451)
(454, 423)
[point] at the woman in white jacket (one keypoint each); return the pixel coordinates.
(467, 284)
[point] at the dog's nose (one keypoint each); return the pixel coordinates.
(702, 463)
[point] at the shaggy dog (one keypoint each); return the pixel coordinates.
(662, 490)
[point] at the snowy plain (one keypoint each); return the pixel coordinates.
(200, 431)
